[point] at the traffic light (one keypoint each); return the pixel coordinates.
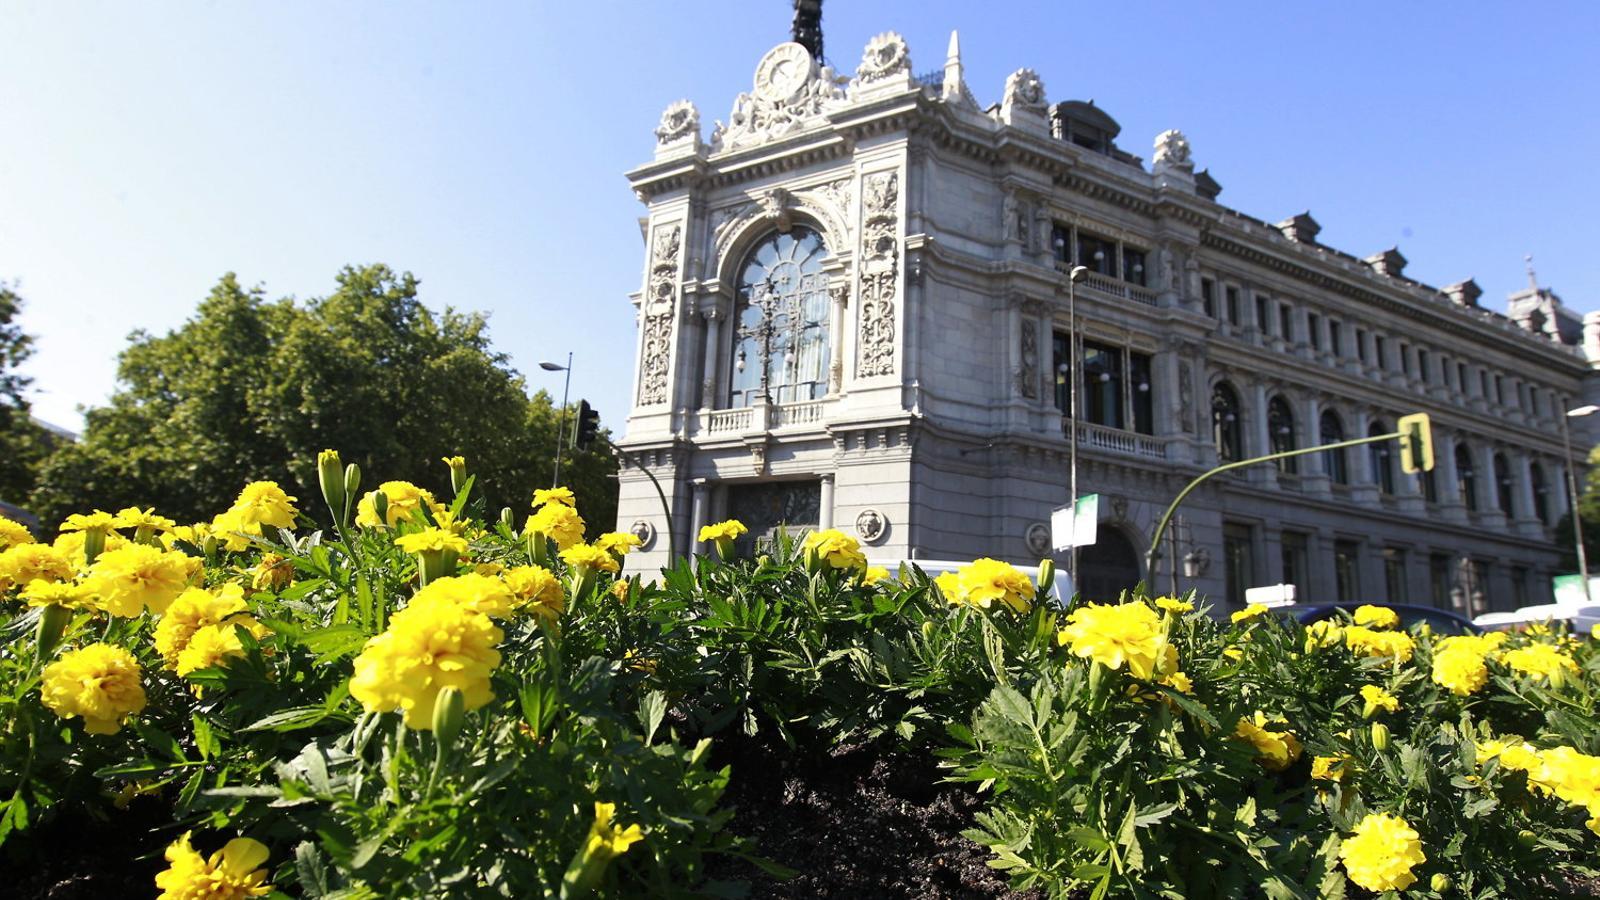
(1416, 443)
(588, 425)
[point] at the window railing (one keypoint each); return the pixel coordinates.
(750, 418)
(1115, 440)
(721, 421)
(807, 412)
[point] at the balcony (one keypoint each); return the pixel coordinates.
(760, 417)
(1115, 440)
(1105, 284)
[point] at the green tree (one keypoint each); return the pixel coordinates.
(23, 443)
(1589, 509)
(250, 388)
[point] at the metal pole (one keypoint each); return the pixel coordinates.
(666, 509)
(561, 422)
(1073, 366)
(1174, 543)
(1577, 520)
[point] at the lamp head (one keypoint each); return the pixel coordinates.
(551, 367)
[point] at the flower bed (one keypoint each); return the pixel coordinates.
(419, 700)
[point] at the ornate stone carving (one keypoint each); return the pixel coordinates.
(886, 55)
(644, 531)
(1119, 507)
(789, 90)
(1029, 374)
(775, 203)
(1186, 410)
(871, 526)
(680, 120)
(840, 294)
(1024, 89)
(880, 255)
(1172, 151)
(1037, 538)
(758, 457)
(660, 306)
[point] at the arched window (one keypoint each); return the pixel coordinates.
(1280, 431)
(1380, 458)
(1332, 431)
(1541, 490)
(1502, 483)
(781, 341)
(1466, 477)
(1225, 427)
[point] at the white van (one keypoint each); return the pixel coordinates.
(933, 568)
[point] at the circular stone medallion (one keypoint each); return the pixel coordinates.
(782, 72)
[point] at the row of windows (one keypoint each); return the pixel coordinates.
(1227, 432)
(1101, 255)
(1275, 318)
(1115, 388)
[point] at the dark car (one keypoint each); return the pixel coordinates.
(1442, 621)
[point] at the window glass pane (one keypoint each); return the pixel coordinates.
(781, 331)
(1394, 574)
(1238, 566)
(1097, 254)
(1225, 426)
(1102, 384)
(1141, 393)
(1133, 265)
(1280, 431)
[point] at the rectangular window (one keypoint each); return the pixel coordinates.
(1061, 359)
(1500, 389)
(1535, 396)
(1405, 358)
(1294, 563)
(1102, 385)
(1238, 568)
(1346, 580)
(1361, 344)
(1380, 346)
(1133, 266)
(1461, 377)
(1335, 338)
(1483, 383)
(1263, 320)
(1233, 305)
(765, 508)
(1208, 296)
(1061, 242)
(1520, 576)
(1141, 393)
(1439, 580)
(1286, 321)
(1430, 486)
(1314, 326)
(1394, 574)
(1422, 367)
(1097, 254)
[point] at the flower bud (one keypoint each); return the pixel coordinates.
(352, 484)
(434, 564)
(330, 477)
(380, 507)
(1527, 838)
(1380, 736)
(53, 621)
(449, 712)
(1097, 675)
(458, 472)
(538, 548)
(725, 549)
(94, 542)
(1440, 883)
(1558, 678)
(508, 519)
(1047, 576)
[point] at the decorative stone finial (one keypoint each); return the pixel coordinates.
(680, 121)
(1172, 151)
(954, 88)
(1389, 262)
(1302, 229)
(886, 55)
(1464, 293)
(1024, 102)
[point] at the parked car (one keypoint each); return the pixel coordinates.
(1580, 618)
(933, 568)
(1442, 621)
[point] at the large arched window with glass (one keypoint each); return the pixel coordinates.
(1541, 492)
(1466, 477)
(1379, 457)
(1280, 431)
(1332, 431)
(781, 342)
(1502, 483)
(1225, 427)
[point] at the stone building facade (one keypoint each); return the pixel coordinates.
(855, 314)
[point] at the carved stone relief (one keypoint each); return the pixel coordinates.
(886, 55)
(679, 121)
(660, 305)
(789, 90)
(1029, 375)
(1038, 539)
(1186, 410)
(871, 526)
(1172, 151)
(644, 531)
(880, 255)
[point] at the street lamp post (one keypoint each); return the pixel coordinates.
(561, 417)
(1076, 366)
(1572, 494)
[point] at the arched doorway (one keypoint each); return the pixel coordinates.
(1107, 567)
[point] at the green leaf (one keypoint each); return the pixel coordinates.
(292, 719)
(1088, 838)
(652, 709)
(311, 869)
(1153, 814)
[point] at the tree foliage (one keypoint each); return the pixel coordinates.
(249, 383)
(23, 443)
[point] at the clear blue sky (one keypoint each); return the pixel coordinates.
(149, 148)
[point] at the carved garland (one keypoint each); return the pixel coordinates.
(659, 309)
(880, 255)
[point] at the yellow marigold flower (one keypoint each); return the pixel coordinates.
(431, 539)
(191, 611)
(1377, 698)
(13, 533)
(272, 573)
(1178, 681)
(479, 593)
(136, 577)
(70, 545)
(214, 645)
(1539, 661)
(85, 521)
(1174, 605)
(537, 590)
(1377, 616)
(489, 568)
(1122, 634)
(1459, 669)
(834, 549)
(136, 518)
(989, 580)
(264, 503)
(559, 523)
(1233, 653)
(619, 590)
(403, 498)
(618, 543)
(457, 464)
(588, 556)
(557, 495)
(1326, 633)
(99, 682)
(1381, 853)
(1492, 748)
(1248, 613)
(1276, 746)
(639, 663)
(233, 873)
(69, 594)
(1330, 768)
(1364, 641)
(874, 574)
(194, 535)
(1571, 776)
(1478, 644)
(432, 644)
(234, 531)
(26, 563)
(605, 838)
(722, 531)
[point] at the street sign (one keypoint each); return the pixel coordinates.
(1078, 527)
(1270, 595)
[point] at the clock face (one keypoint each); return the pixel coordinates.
(782, 72)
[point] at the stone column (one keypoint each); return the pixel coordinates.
(1489, 489)
(1363, 481)
(825, 505)
(1452, 506)
(709, 385)
(1262, 438)
(698, 510)
(1526, 519)
(839, 291)
(1314, 466)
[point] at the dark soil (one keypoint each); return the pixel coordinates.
(856, 822)
(74, 856)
